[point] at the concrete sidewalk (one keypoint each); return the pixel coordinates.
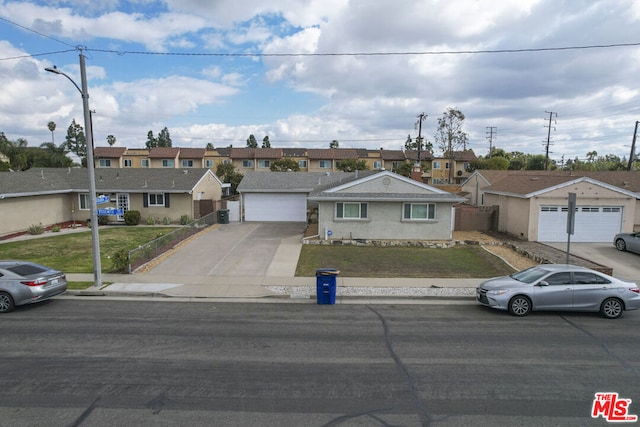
(270, 286)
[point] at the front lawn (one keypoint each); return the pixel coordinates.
(72, 252)
(365, 261)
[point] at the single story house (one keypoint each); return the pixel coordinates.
(356, 205)
(533, 205)
(48, 196)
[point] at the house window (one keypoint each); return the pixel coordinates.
(83, 201)
(377, 165)
(247, 163)
(156, 199)
(226, 161)
(144, 163)
(104, 163)
(325, 164)
(127, 163)
(208, 163)
(168, 163)
(302, 164)
(446, 165)
(187, 163)
(436, 165)
(419, 211)
(264, 164)
(351, 210)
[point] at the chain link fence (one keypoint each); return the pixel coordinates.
(157, 247)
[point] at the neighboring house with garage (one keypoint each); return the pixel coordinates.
(355, 205)
(49, 196)
(282, 196)
(532, 205)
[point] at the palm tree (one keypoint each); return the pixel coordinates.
(52, 128)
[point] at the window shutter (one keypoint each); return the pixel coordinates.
(166, 200)
(363, 210)
(339, 210)
(145, 200)
(407, 211)
(432, 211)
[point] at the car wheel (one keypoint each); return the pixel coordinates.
(621, 245)
(519, 306)
(612, 308)
(6, 302)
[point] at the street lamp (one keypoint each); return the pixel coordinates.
(95, 238)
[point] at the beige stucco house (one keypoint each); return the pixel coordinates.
(533, 205)
(49, 196)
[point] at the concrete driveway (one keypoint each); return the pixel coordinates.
(626, 265)
(238, 249)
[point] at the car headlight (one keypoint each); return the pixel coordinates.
(498, 292)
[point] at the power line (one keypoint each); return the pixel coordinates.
(36, 32)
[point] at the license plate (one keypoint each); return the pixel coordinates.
(54, 282)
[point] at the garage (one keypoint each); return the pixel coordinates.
(289, 207)
(592, 223)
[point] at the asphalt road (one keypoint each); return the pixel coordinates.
(105, 363)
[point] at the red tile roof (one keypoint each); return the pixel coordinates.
(164, 152)
(192, 153)
(109, 152)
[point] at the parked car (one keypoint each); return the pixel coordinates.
(23, 282)
(559, 287)
(627, 242)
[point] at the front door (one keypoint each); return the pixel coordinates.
(123, 203)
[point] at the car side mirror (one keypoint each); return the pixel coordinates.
(543, 283)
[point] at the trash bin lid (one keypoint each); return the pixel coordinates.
(327, 272)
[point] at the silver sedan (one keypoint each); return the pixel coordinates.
(23, 282)
(559, 287)
(627, 242)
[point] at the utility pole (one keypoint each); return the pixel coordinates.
(490, 132)
(633, 148)
(546, 157)
(421, 117)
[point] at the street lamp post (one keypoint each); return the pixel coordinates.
(95, 237)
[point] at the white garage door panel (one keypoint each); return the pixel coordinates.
(275, 207)
(592, 224)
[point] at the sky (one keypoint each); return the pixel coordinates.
(307, 72)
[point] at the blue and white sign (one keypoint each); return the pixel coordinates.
(110, 211)
(102, 199)
(329, 232)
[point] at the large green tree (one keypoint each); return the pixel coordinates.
(351, 165)
(449, 134)
(76, 142)
(164, 139)
(251, 142)
(152, 142)
(227, 173)
(52, 129)
(285, 164)
(111, 140)
(265, 142)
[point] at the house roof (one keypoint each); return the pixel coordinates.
(333, 153)
(290, 182)
(192, 153)
(38, 181)
(164, 152)
(392, 155)
(527, 182)
(109, 152)
(256, 153)
(344, 191)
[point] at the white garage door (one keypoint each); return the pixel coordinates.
(592, 224)
(275, 207)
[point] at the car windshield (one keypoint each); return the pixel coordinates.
(529, 275)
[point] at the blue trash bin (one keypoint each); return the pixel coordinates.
(326, 285)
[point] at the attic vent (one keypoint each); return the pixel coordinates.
(68, 171)
(185, 171)
(173, 183)
(534, 178)
(41, 173)
(145, 184)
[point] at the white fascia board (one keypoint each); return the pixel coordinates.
(390, 174)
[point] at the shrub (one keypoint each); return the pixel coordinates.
(55, 229)
(166, 220)
(103, 220)
(184, 220)
(36, 229)
(120, 260)
(151, 220)
(132, 217)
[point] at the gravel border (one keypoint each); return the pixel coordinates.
(349, 291)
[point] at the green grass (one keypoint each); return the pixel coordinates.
(364, 261)
(71, 252)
